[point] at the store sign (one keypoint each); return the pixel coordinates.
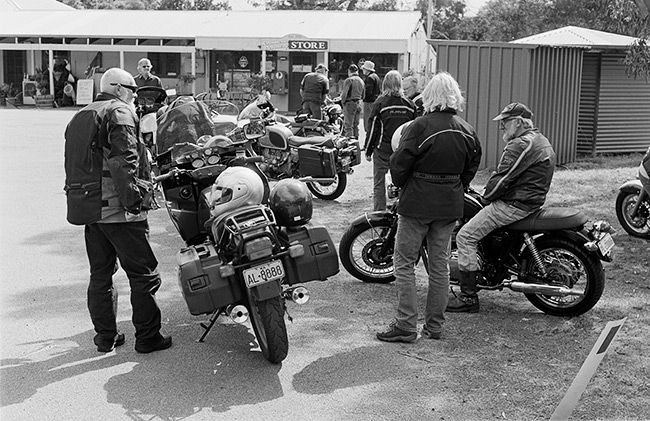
(308, 45)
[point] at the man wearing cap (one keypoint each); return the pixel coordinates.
(144, 77)
(351, 96)
(313, 90)
(516, 189)
(373, 89)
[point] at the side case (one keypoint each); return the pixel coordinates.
(203, 287)
(320, 260)
(317, 161)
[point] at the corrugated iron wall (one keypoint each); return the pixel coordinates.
(494, 74)
(624, 109)
(588, 104)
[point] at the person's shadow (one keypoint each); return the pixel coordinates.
(169, 384)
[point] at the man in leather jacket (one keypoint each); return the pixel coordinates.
(516, 189)
(438, 155)
(121, 230)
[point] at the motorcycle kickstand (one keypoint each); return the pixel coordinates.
(213, 319)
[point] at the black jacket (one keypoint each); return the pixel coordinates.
(438, 156)
(388, 113)
(525, 172)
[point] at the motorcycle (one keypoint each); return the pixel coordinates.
(323, 162)
(553, 256)
(633, 209)
(149, 100)
(247, 259)
(332, 123)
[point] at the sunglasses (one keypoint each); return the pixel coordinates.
(132, 88)
(145, 67)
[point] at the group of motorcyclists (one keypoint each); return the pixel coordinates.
(437, 157)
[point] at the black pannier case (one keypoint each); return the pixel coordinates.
(317, 161)
(320, 260)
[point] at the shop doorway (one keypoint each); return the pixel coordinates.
(299, 65)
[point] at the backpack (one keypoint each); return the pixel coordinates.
(84, 157)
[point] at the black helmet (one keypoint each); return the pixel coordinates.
(291, 202)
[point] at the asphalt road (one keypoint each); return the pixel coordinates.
(51, 370)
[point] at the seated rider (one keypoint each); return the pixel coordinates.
(516, 189)
(183, 121)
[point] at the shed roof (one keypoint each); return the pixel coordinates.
(575, 36)
(18, 5)
(344, 25)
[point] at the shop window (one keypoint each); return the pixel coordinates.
(339, 62)
(165, 64)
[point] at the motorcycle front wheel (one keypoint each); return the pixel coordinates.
(329, 191)
(639, 224)
(267, 318)
(365, 254)
(567, 264)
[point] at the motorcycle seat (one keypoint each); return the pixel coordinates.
(297, 141)
(550, 219)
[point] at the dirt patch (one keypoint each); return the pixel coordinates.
(510, 361)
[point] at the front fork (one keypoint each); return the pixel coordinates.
(642, 197)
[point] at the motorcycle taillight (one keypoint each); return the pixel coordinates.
(258, 248)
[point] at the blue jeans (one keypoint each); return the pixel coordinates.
(496, 214)
(128, 242)
(410, 234)
(351, 114)
(380, 167)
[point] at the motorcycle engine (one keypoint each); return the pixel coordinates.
(278, 163)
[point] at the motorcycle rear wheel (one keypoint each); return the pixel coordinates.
(267, 318)
(361, 253)
(329, 191)
(570, 265)
(639, 225)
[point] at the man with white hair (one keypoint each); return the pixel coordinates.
(145, 77)
(109, 190)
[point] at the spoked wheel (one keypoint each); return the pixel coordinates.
(571, 266)
(639, 224)
(329, 191)
(267, 318)
(365, 253)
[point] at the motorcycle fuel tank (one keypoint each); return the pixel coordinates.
(276, 137)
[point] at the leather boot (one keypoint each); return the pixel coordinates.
(467, 300)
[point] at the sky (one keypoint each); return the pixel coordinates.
(473, 6)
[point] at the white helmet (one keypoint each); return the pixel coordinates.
(234, 188)
(397, 135)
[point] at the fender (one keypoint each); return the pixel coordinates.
(266, 291)
(374, 218)
(579, 238)
(631, 186)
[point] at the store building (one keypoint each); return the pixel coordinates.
(199, 51)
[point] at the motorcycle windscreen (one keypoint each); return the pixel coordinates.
(184, 123)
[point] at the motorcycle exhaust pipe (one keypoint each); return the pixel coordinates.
(541, 289)
(238, 313)
(299, 295)
(316, 179)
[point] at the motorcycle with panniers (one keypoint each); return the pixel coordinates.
(552, 256)
(248, 247)
(322, 162)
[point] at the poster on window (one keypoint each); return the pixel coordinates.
(84, 91)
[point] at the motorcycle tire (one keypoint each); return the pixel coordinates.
(570, 265)
(639, 225)
(267, 318)
(329, 191)
(360, 253)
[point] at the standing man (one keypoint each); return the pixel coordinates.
(114, 211)
(515, 190)
(144, 77)
(351, 96)
(313, 90)
(438, 156)
(410, 84)
(373, 89)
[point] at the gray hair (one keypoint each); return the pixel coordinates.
(442, 92)
(392, 84)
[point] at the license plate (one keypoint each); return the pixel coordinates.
(606, 244)
(269, 271)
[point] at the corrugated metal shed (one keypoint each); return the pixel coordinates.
(493, 75)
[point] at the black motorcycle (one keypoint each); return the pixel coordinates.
(553, 256)
(246, 260)
(633, 209)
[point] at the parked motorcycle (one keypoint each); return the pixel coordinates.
(633, 209)
(332, 122)
(149, 100)
(247, 246)
(553, 256)
(323, 162)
